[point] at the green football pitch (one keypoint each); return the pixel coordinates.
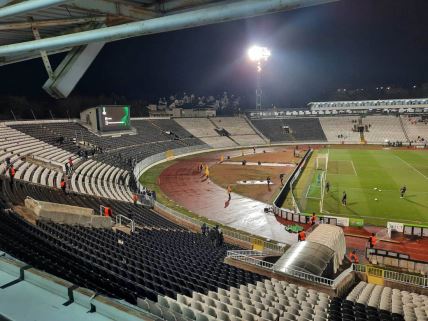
(372, 180)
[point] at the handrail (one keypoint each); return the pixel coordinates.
(121, 217)
(247, 252)
(248, 257)
(409, 279)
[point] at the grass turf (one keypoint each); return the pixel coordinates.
(359, 172)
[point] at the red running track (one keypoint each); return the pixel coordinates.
(184, 184)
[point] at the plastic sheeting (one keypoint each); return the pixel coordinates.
(333, 237)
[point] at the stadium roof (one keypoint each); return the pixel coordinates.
(38, 28)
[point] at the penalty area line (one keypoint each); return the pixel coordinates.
(412, 167)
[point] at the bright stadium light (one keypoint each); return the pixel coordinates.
(258, 55)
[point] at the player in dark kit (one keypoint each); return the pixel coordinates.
(344, 197)
(403, 191)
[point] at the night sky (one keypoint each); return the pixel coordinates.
(349, 44)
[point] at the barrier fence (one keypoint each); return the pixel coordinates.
(251, 257)
(131, 223)
(409, 279)
(248, 257)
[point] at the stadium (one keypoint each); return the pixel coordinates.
(186, 213)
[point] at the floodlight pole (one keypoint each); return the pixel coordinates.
(259, 87)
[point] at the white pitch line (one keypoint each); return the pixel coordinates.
(353, 166)
(346, 160)
(411, 166)
(310, 197)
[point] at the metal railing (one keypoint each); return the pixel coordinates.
(120, 218)
(409, 279)
(249, 258)
(309, 277)
(246, 252)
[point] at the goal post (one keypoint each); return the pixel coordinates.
(321, 162)
(322, 185)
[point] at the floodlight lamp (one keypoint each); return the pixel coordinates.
(256, 53)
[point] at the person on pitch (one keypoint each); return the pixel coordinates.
(344, 198)
(403, 191)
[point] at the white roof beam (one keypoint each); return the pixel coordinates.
(113, 8)
(221, 12)
(28, 6)
(49, 23)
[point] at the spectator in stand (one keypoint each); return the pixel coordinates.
(135, 198)
(220, 238)
(107, 211)
(70, 164)
(12, 173)
(212, 236)
(63, 186)
(204, 229)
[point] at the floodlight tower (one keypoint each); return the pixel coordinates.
(259, 55)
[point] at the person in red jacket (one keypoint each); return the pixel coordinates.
(107, 211)
(313, 219)
(372, 240)
(301, 236)
(12, 172)
(63, 185)
(353, 257)
(135, 198)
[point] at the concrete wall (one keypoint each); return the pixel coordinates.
(67, 214)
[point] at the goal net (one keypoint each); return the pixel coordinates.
(321, 162)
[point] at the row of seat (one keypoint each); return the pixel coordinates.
(100, 179)
(416, 129)
(412, 305)
(290, 129)
(141, 215)
(48, 165)
(268, 300)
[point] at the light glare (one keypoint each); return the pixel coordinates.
(257, 53)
